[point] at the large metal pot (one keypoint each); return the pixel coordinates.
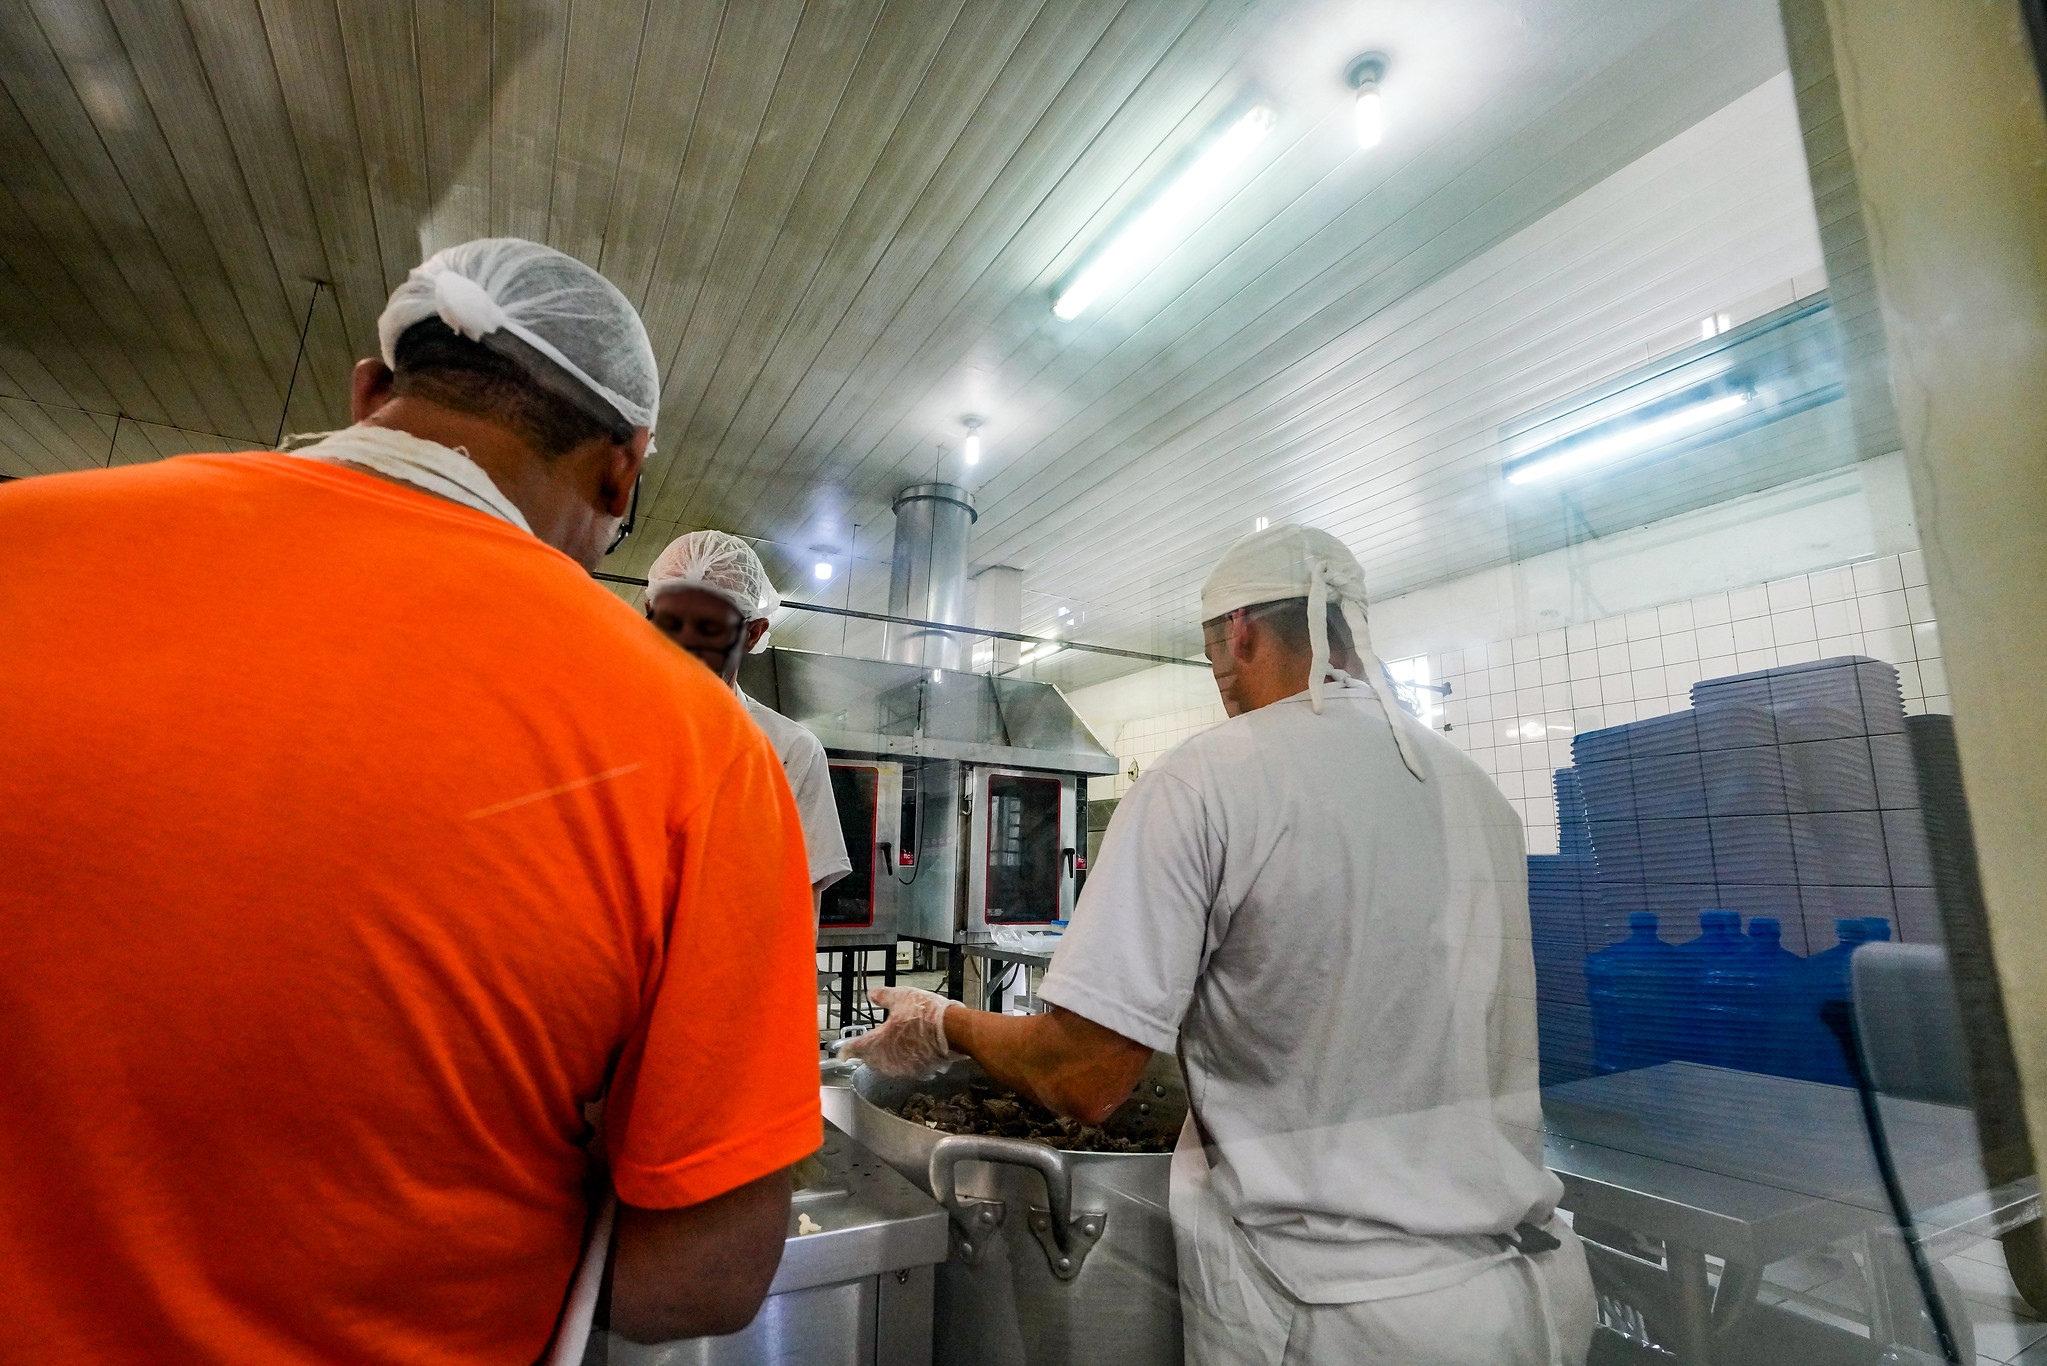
(1057, 1258)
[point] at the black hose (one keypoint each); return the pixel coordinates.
(1839, 1017)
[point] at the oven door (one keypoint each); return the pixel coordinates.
(1021, 848)
(862, 904)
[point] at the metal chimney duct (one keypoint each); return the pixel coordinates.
(928, 577)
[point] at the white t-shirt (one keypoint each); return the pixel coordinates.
(1341, 956)
(810, 780)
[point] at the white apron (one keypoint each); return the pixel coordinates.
(1509, 1310)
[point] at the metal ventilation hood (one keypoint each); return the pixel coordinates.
(884, 709)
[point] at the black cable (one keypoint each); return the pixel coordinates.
(284, 412)
(917, 835)
(1839, 1017)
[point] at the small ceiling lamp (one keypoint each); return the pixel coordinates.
(972, 449)
(1368, 118)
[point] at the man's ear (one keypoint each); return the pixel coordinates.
(754, 631)
(369, 388)
(1242, 634)
(622, 465)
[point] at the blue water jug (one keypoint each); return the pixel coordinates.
(1879, 929)
(1702, 1027)
(1755, 995)
(1826, 979)
(1629, 985)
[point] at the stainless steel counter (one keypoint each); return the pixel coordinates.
(856, 1293)
(1753, 1168)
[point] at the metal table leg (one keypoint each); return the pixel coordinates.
(845, 988)
(1693, 1299)
(1736, 1292)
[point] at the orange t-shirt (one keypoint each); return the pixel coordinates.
(348, 837)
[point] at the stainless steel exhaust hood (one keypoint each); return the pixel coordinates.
(876, 708)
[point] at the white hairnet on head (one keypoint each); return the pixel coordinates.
(554, 303)
(1294, 561)
(717, 563)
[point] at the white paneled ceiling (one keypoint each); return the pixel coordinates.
(843, 220)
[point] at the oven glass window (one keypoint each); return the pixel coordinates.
(1023, 849)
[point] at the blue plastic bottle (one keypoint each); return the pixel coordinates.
(1702, 1028)
(1826, 979)
(1879, 929)
(1756, 994)
(1629, 985)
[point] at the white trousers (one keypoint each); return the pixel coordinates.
(1521, 1311)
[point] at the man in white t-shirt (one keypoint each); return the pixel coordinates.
(1322, 906)
(709, 593)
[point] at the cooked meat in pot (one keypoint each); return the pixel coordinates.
(985, 1109)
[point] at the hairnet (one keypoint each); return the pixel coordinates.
(554, 303)
(1292, 561)
(717, 563)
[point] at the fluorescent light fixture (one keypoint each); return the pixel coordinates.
(1368, 115)
(822, 569)
(1065, 611)
(1571, 454)
(972, 450)
(1261, 524)
(1369, 119)
(1150, 231)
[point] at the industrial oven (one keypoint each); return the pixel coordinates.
(960, 795)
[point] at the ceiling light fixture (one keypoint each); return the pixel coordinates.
(1608, 441)
(1151, 230)
(822, 569)
(1368, 116)
(972, 449)
(1261, 524)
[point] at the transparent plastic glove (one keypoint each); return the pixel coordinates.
(911, 1044)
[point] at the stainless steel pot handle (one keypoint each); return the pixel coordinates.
(1049, 1163)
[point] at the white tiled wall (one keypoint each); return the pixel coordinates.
(1514, 704)
(1145, 740)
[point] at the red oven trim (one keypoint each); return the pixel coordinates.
(988, 841)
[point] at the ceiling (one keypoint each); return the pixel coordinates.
(843, 221)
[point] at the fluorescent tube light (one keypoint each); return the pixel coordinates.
(822, 569)
(1572, 455)
(972, 450)
(1149, 233)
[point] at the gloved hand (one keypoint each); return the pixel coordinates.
(910, 1044)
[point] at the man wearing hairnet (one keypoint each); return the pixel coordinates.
(1322, 906)
(709, 593)
(351, 868)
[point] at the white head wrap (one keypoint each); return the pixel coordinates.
(1301, 562)
(719, 563)
(554, 303)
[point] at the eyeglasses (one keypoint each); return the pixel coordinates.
(625, 528)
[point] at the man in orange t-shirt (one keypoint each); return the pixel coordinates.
(352, 841)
